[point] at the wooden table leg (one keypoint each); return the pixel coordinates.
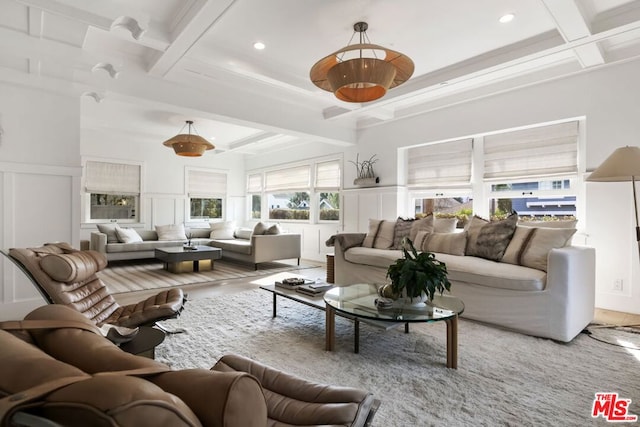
(452, 342)
(330, 328)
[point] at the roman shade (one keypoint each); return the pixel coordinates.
(446, 163)
(296, 178)
(112, 178)
(205, 184)
(543, 151)
(328, 174)
(254, 183)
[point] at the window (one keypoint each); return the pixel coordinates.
(254, 189)
(207, 191)
(519, 168)
(288, 193)
(437, 165)
(327, 185)
(113, 191)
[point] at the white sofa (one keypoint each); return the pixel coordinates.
(557, 303)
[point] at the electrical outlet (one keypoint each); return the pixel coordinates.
(617, 285)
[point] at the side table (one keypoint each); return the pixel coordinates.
(145, 342)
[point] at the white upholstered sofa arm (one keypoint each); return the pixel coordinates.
(98, 242)
(268, 247)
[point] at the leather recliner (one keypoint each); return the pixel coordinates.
(67, 276)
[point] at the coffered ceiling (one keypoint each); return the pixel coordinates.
(142, 67)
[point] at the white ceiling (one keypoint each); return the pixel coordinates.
(195, 59)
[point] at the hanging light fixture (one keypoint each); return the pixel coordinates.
(365, 77)
(188, 144)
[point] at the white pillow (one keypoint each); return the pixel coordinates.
(128, 235)
(222, 230)
(171, 232)
(110, 231)
(243, 233)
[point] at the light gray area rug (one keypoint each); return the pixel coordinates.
(130, 276)
(503, 378)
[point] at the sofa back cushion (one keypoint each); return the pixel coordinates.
(445, 243)
(243, 233)
(422, 224)
(260, 228)
(530, 246)
(445, 225)
(75, 267)
(110, 231)
(171, 232)
(127, 235)
(222, 230)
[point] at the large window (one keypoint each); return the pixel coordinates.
(308, 192)
(113, 191)
(207, 191)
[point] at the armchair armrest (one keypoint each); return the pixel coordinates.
(346, 240)
(98, 242)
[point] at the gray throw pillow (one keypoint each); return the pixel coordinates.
(473, 231)
(274, 229)
(494, 238)
(259, 228)
(402, 230)
(110, 231)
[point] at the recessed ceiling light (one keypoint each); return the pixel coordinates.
(259, 45)
(507, 18)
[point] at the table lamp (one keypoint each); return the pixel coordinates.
(622, 165)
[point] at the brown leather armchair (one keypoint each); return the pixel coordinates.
(67, 276)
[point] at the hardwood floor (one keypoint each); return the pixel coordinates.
(602, 316)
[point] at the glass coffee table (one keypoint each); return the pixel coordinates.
(358, 302)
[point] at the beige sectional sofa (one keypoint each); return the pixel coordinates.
(539, 284)
(241, 244)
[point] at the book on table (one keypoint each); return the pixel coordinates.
(317, 288)
(293, 282)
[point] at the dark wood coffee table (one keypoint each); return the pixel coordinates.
(177, 259)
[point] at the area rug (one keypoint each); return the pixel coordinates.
(503, 378)
(130, 276)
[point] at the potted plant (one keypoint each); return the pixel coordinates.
(417, 275)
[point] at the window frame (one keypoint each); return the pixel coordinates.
(192, 192)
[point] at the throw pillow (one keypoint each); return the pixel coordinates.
(274, 229)
(243, 233)
(110, 231)
(384, 237)
(530, 246)
(128, 235)
(171, 232)
(222, 230)
(259, 228)
(418, 242)
(446, 243)
(423, 224)
(473, 230)
(494, 238)
(402, 229)
(445, 225)
(374, 224)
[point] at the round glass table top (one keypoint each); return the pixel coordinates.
(360, 300)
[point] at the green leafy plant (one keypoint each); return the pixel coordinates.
(416, 273)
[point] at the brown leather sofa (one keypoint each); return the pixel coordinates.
(85, 380)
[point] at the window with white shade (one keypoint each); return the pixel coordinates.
(113, 191)
(207, 191)
(327, 187)
(254, 192)
(446, 164)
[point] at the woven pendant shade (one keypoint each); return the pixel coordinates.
(188, 144)
(364, 78)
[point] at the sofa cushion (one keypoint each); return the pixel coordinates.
(494, 237)
(422, 224)
(75, 267)
(243, 233)
(127, 235)
(222, 230)
(273, 230)
(110, 231)
(530, 246)
(402, 229)
(384, 237)
(473, 230)
(198, 233)
(374, 224)
(445, 225)
(447, 243)
(241, 246)
(146, 245)
(171, 232)
(260, 228)
(564, 223)
(484, 272)
(372, 256)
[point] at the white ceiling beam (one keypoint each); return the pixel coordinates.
(572, 25)
(195, 23)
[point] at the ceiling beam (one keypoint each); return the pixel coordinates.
(572, 25)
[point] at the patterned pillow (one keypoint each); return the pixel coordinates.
(530, 246)
(402, 229)
(494, 238)
(473, 230)
(445, 243)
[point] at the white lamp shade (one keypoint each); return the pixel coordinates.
(622, 165)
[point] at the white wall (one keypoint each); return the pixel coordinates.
(608, 98)
(39, 175)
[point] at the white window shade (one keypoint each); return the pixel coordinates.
(112, 178)
(254, 183)
(288, 179)
(447, 163)
(537, 152)
(328, 174)
(204, 184)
